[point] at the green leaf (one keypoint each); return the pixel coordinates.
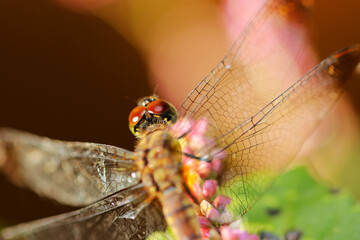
(298, 202)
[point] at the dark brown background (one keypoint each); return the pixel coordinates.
(66, 76)
(70, 76)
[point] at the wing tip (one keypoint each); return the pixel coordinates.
(345, 64)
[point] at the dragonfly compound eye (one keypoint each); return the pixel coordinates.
(146, 100)
(135, 117)
(162, 110)
(151, 111)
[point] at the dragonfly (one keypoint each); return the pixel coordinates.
(130, 195)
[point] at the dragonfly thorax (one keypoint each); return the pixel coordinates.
(151, 112)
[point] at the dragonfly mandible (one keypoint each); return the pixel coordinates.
(130, 195)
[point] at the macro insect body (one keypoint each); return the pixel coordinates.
(228, 134)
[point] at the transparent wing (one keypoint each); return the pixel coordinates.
(259, 134)
(124, 215)
(270, 47)
(72, 173)
(262, 146)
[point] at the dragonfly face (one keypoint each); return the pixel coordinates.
(246, 133)
(150, 111)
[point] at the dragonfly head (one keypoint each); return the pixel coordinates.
(149, 111)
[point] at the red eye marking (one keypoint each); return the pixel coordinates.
(158, 107)
(135, 115)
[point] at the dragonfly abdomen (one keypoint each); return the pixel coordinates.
(160, 164)
(179, 214)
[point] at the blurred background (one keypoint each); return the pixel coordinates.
(73, 70)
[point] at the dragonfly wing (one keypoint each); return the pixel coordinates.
(261, 64)
(73, 173)
(124, 215)
(261, 147)
(269, 48)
